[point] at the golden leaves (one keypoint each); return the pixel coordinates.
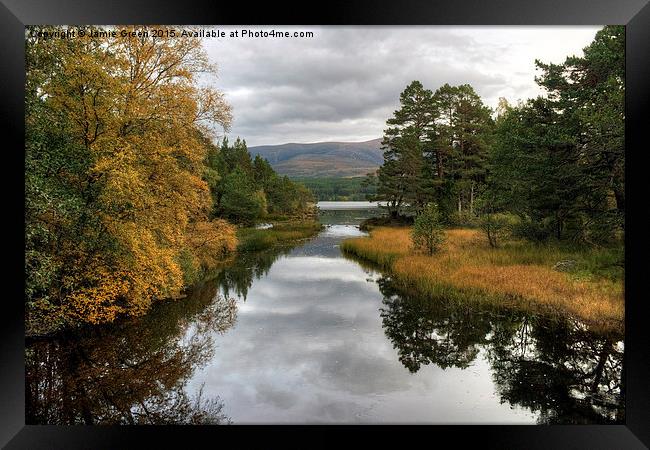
(135, 107)
(211, 241)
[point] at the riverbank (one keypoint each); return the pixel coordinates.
(282, 231)
(519, 274)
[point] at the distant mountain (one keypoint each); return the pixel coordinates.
(323, 159)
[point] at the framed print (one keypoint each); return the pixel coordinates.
(412, 215)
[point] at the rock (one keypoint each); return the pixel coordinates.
(566, 265)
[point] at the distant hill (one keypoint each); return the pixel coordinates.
(323, 159)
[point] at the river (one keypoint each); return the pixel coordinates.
(304, 334)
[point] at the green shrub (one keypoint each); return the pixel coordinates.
(532, 230)
(428, 233)
(252, 239)
(462, 219)
(385, 221)
(497, 226)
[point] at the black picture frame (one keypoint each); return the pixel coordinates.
(635, 14)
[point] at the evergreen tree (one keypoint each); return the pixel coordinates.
(241, 202)
(535, 162)
(404, 179)
(263, 173)
(558, 161)
(459, 158)
(230, 168)
(589, 93)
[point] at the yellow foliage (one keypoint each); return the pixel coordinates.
(211, 241)
(139, 113)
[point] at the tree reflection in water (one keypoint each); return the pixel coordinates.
(429, 332)
(556, 367)
(237, 277)
(136, 371)
(133, 372)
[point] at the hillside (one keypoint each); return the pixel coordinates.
(323, 159)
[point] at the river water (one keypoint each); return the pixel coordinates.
(304, 334)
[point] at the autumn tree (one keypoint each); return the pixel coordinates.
(134, 372)
(125, 114)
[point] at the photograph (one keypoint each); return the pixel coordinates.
(368, 221)
(324, 224)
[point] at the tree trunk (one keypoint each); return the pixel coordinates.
(392, 208)
(619, 194)
(471, 198)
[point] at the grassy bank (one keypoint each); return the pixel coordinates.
(252, 239)
(518, 274)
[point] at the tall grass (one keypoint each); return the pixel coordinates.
(518, 274)
(383, 247)
(252, 239)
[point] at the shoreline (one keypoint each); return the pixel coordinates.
(466, 269)
(285, 230)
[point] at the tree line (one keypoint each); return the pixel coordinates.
(338, 189)
(127, 200)
(555, 163)
(245, 189)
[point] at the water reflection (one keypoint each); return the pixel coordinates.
(560, 369)
(133, 372)
(236, 278)
(556, 368)
(317, 337)
(427, 332)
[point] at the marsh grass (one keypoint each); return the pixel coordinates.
(383, 247)
(518, 274)
(252, 239)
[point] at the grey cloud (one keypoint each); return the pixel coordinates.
(345, 82)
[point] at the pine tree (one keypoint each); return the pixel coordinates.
(404, 179)
(589, 93)
(463, 131)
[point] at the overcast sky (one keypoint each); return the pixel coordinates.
(343, 83)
